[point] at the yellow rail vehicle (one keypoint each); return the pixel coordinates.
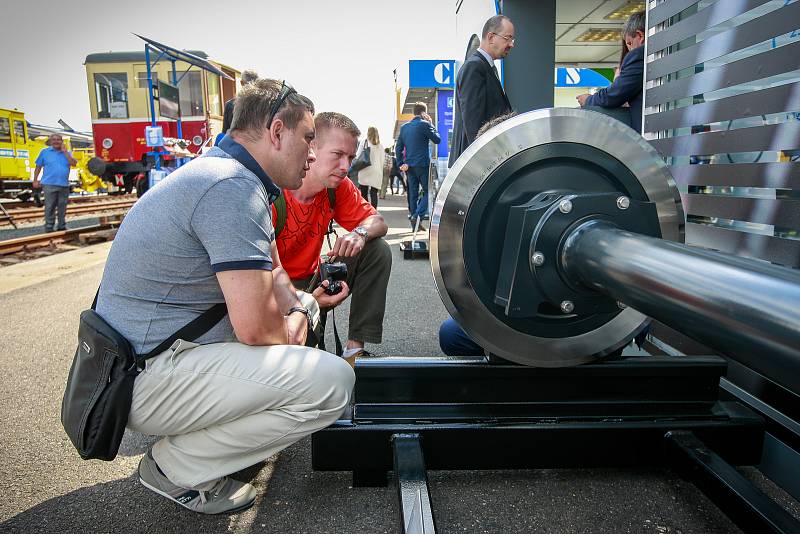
(19, 150)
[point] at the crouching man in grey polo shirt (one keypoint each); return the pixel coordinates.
(247, 388)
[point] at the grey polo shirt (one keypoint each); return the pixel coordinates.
(211, 215)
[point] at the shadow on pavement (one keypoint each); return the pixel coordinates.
(292, 498)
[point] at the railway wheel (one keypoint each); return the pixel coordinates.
(484, 225)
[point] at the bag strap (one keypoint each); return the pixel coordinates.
(280, 209)
(332, 197)
(190, 331)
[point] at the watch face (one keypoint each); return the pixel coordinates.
(360, 230)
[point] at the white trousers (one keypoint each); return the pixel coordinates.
(226, 406)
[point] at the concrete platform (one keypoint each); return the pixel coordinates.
(46, 487)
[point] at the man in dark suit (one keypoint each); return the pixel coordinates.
(414, 158)
(479, 94)
(627, 86)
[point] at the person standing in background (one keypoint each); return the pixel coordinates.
(55, 161)
(387, 170)
(414, 158)
(248, 77)
(370, 178)
(627, 86)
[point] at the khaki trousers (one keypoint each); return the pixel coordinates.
(226, 406)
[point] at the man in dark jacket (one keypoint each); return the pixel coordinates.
(414, 158)
(627, 87)
(479, 94)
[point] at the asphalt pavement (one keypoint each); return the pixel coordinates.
(46, 487)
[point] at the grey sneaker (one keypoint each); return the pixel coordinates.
(226, 496)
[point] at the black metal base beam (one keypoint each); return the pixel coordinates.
(737, 497)
(366, 450)
(469, 380)
(416, 514)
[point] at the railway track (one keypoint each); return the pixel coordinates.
(25, 214)
(25, 248)
(86, 199)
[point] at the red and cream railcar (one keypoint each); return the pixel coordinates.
(120, 108)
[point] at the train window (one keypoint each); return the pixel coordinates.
(214, 95)
(112, 95)
(191, 91)
(141, 79)
(5, 130)
(19, 131)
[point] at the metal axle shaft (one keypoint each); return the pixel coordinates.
(748, 310)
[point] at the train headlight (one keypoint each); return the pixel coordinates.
(108, 143)
(197, 140)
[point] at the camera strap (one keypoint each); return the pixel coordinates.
(323, 316)
(323, 319)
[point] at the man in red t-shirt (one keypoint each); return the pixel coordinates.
(309, 210)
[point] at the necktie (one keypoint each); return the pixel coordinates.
(494, 68)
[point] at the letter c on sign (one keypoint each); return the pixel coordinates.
(442, 73)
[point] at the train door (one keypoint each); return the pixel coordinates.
(8, 167)
(214, 92)
(13, 145)
(19, 134)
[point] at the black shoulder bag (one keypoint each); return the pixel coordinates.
(97, 400)
(361, 162)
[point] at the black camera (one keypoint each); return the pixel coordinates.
(335, 273)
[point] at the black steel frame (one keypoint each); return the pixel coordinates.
(414, 414)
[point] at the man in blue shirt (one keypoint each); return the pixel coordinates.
(414, 158)
(56, 163)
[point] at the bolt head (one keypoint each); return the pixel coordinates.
(623, 202)
(621, 305)
(537, 258)
(565, 206)
(567, 306)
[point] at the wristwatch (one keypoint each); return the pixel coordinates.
(360, 230)
(300, 309)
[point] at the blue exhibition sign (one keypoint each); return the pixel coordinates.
(444, 121)
(574, 77)
(432, 73)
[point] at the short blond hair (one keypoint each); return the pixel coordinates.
(330, 119)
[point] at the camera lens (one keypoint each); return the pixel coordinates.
(334, 288)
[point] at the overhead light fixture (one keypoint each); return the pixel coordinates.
(626, 10)
(600, 35)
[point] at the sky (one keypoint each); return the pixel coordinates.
(339, 53)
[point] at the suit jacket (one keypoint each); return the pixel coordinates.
(627, 87)
(479, 98)
(412, 143)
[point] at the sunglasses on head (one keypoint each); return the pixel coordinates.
(286, 90)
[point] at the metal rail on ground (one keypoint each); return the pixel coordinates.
(13, 246)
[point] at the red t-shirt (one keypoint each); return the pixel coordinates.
(300, 241)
